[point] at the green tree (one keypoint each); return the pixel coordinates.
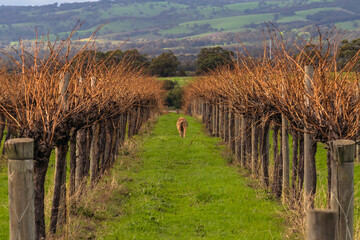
(211, 58)
(164, 65)
(174, 94)
(347, 51)
(132, 56)
(137, 59)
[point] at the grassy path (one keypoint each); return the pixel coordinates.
(184, 189)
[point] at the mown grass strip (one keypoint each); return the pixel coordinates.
(184, 189)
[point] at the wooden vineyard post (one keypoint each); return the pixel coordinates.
(226, 123)
(342, 187)
(237, 137)
(231, 130)
(205, 116)
(265, 145)
(357, 146)
(308, 190)
(286, 160)
(58, 209)
(210, 118)
(94, 156)
(320, 224)
(254, 145)
(80, 161)
(285, 156)
(20, 155)
(81, 158)
(242, 141)
(214, 118)
(221, 124)
(217, 119)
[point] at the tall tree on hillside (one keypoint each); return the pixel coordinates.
(164, 65)
(347, 51)
(133, 57)
(211, 58)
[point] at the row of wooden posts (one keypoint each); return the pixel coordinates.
(248, 139)
(93, 150)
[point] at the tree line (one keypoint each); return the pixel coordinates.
(167, 64)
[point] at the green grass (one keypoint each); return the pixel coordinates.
(320, 1)
(4, 203)
(243, 6)
(139, 10)
(233, 23)
(176, 30)
(236, 23)
(252, 5)
(181, 80)
(301, 15)
(348, 25)
(184, 189)
(4, 206)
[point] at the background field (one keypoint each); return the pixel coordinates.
(146, 24)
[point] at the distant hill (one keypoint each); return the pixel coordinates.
(182, 26)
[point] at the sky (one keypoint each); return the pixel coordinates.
(38, 2)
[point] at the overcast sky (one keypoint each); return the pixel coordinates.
(38, 2)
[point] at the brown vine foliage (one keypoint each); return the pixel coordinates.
(271, 87)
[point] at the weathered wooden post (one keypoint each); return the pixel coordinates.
(226, 123)
(81, 158)
(242, 140)
(285, 155)
(221, 121)
(308, 190)
(94, 156)
(320, 224)
(342, 186)
(210, 110)
(204, 113)
(237, 137)
(231, 130)
(80, 161)
(214, 118)
(254, 145)
(20, 155)
(217, 129)
(286, 160)
(265, 155)
(58, 209)
(357, 147)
